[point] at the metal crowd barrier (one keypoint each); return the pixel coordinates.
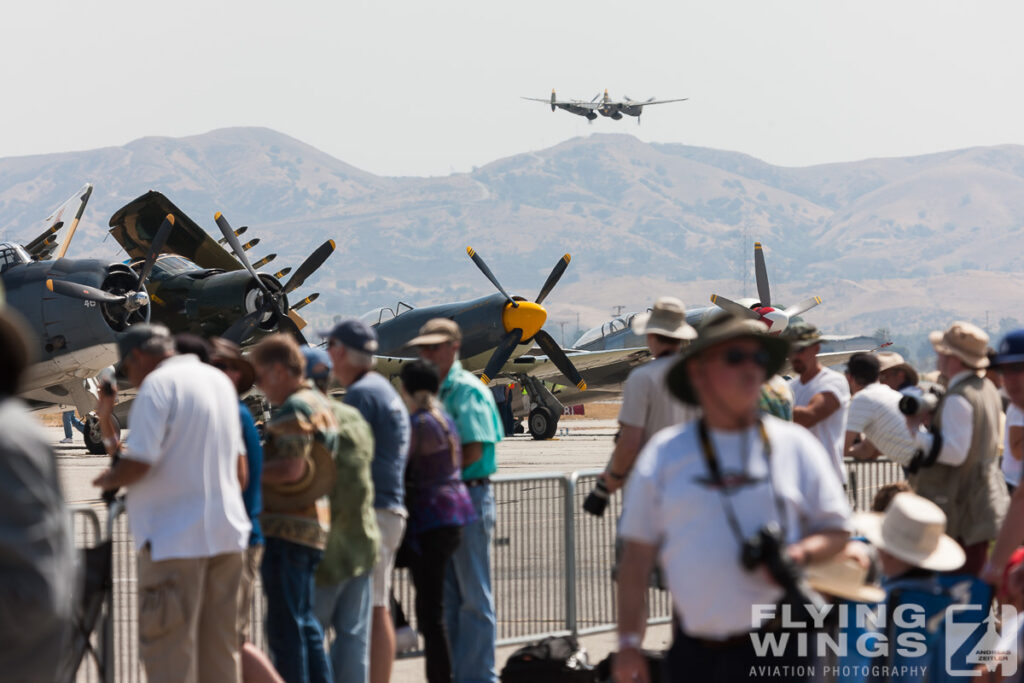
(551, 563)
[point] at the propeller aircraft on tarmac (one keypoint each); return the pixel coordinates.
(497, 331)
(197, 286)
(603, 105)
(76, 309)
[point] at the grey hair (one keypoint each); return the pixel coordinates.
(158, 345)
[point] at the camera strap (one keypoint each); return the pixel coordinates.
(723, 486)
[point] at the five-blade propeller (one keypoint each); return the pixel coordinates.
(273, 301)
(523, 321)
(776, 319)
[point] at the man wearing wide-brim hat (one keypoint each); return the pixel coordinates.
(647, 405)
(956, 465)
(699, 490)
(894, 371)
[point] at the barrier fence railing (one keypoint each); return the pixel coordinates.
(551, 571)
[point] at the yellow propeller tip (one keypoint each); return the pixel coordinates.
(469, 250)
(714, 298)
(582, 386)
(485, 379)
(217, 216)
(332, 243)
(567, 258)
(49, 285)
(170, 218)
(757, 245)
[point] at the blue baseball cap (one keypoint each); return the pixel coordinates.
(354, 334)
(1011, 349)
(318, 362)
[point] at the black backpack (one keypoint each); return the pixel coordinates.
(552, 660)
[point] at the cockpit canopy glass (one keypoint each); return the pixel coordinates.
(12, 255)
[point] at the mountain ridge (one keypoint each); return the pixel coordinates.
(651, 217)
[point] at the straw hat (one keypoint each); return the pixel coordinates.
(723, 328)
(667, 318)
(845, 578)
(967, 342)
(913, 529)
(890, 360)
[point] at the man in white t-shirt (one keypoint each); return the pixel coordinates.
(701, 489)
(184, 504)
(647, 405)
(874, 416)
(820, 395)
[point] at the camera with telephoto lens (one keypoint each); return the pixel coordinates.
(768, 548)
(597, 500)
(919, 402)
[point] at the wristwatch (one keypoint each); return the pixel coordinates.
(630, 641)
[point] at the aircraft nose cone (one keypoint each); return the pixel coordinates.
(527, 316)
(777, 320)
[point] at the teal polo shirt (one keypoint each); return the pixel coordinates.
(471, 405)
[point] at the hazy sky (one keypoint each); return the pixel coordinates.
(415, 88)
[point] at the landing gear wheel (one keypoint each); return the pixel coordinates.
(542, 424)
(93, 437)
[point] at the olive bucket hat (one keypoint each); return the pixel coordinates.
(721, 329)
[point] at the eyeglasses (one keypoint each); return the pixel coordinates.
(736, 357)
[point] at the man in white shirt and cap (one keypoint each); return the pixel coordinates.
(956, 465)
(820, 395)
(647, 405)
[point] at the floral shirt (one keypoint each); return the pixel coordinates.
(435, 495)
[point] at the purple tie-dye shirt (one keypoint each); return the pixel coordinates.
(435, 495)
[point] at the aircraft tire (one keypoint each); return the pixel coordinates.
(93, 437)
(542, 424)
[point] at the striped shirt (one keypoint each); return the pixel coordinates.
(874, 412)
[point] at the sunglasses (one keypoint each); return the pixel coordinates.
(737, 357)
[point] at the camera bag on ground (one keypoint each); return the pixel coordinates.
(553, 659)
(655, 663)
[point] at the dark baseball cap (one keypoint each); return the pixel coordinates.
(142, 336)
(318, 363)
(354, 334)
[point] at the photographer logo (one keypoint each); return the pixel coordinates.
(972, 642)
(911, 640)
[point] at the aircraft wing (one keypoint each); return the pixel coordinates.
(609, 360)
(135, 224)
(571, 103)
(647, 104)
(42, 247)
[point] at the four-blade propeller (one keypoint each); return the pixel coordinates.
(523, 321)
(131, 301)
(776, 319)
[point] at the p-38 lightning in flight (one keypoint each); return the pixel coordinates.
(603, 105)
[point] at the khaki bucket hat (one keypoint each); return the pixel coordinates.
(966, 341)
(913, 529)
(667, 318)
(437, 331)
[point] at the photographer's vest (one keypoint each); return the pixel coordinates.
(973, 495)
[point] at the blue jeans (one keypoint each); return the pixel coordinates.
(468, 600)
(71, 421)
(347, 607)
(294, 636)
